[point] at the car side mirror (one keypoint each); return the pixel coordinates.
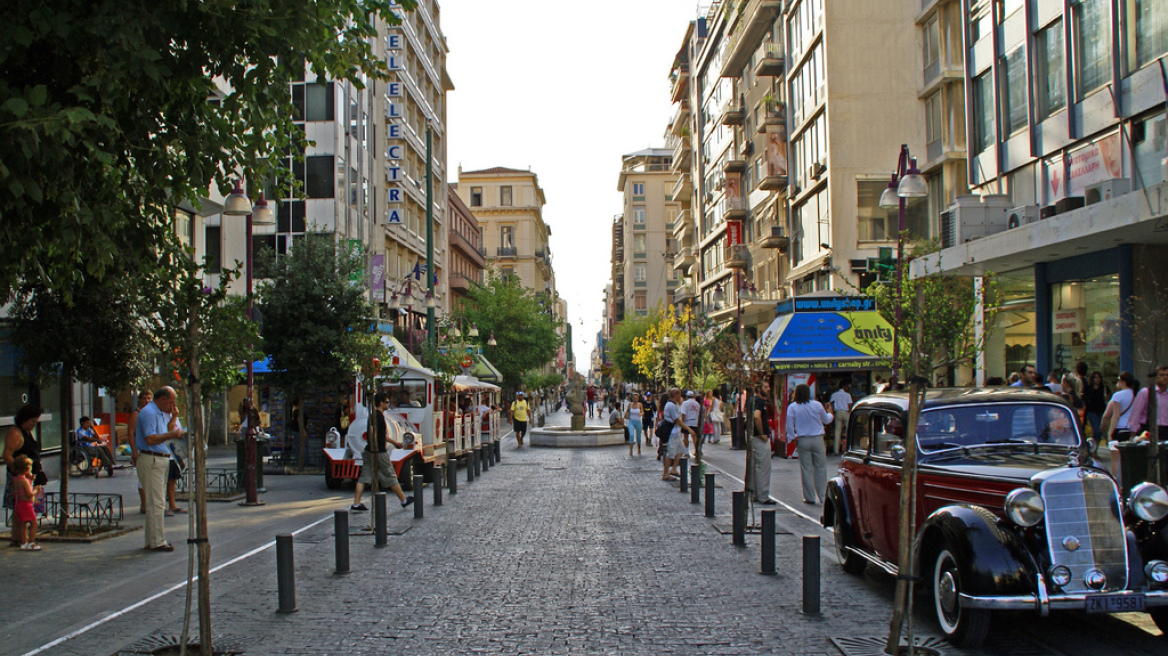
(897, 452)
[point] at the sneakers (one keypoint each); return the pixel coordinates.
(358, 507)
(407, 502)
(30, 546)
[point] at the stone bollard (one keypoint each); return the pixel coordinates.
(341, 531)
(419, 497)
(285, 574)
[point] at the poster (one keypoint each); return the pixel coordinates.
(1098, 161)
(777, 152)
(377, 277)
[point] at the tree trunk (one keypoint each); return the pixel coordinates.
(1153, 431)
(66, 416)
(196, 434)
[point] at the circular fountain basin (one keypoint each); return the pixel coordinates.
(563, 437)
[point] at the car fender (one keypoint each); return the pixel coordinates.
(835, 497)
(992, 556)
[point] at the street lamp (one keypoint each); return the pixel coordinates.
(906, 182)
(238, 204)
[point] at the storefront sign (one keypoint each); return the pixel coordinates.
(734, 232)
(1099, 161)
(1067, 321)
(393, 114)
(377, 277)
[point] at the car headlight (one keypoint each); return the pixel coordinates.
(1157, 570)
(1024, 507)
(1149, 502)
(1060, 575)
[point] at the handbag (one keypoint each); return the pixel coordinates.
(664, 430)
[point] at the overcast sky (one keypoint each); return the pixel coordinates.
(565, 89)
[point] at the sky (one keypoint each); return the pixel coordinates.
(565, 89)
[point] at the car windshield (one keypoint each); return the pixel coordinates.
(406, 393)
(966, 426)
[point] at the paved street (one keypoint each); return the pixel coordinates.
(552, 552)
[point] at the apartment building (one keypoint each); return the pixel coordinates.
(508, 204)
(646, 272)
(467, 255)
(1067, 145)
(614, 301)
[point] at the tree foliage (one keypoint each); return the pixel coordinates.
(105, 122)
(316, 323)
(525, 329)
(621, 349)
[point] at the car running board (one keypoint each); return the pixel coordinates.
(875, 560)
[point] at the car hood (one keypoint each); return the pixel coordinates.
(1014, 462)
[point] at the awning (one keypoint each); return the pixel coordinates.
(469, 383)
(819, 341)
(399, 356)
(484, 370)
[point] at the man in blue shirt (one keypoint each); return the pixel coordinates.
(87, 437)
(157, 424)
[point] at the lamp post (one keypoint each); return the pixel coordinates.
(907, 182)
(238, 204)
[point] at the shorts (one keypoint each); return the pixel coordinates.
(25, 512)
(175, 473)
(520, 426)
(386, 477)
(677, 446)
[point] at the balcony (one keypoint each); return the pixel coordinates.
(733, 115)
(684, 259)
(776, 116)
(770, 64)
(682, 293)
(461, 282)
(680, 123)
(683, 225)
(678, 81)
(776, 239)
(683, 188)
(773, 181)
(734, 163)
(505, 251)
(737, 256)
(469, 249)
(733, 209)
(681, 154)
(754, 23)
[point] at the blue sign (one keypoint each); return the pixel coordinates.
(835, 304)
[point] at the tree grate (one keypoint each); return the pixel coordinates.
(165, 645)
(925, 646)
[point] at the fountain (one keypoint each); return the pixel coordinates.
(577, 435)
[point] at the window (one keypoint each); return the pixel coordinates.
(318, 102)
(875, 223)
(1014, 90)
(639, 245)
(1093, 44)
(1150, 19)
(983, 111)
(507, 236)
(639, 273)
(932, 43)
(214, 248)
(889, 432)
(980, 19)
(476, 196)
(319, 176)
(858, 431)
(184, 226)
(639, 303)
(1151, 146)
(1050, 78)
(638, 188)
(639, 215)
(1011, 6)
(290, 216)
(933, 119)
(505, 196)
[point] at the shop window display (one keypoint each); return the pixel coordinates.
(1085, 324)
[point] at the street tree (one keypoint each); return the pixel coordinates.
(317, 325)
(95, 332)
(113, 112)
(621, 348)
(525, 330)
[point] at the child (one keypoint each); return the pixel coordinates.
(24, 529)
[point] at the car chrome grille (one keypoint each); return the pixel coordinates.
(1085, 506)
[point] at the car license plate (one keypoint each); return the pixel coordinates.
(1115, 603)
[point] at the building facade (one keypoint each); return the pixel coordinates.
(467, 255)
(647, 276)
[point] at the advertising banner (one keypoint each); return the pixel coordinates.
(734, 232)
(377, 277)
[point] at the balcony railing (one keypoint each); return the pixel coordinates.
(683, 188)
(505, 251)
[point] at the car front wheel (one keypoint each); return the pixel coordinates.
(963, 627)
(850, 561)
(406, 476)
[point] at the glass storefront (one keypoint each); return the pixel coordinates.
(1011, 342)
(1085, 324)
(15, 391)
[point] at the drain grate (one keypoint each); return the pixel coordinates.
(170, 644)
(875, 646)
(554, 468)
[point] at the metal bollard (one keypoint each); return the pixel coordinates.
(419, 497)
(738, 504)
(683, 484)
(695, 490)
(480, 463)
(439, 476)
(498, 451)
(470, 473)
(810, 574)
(285, 574)
(709, 495)
(380, 529)
(486, 451)
(341, 530)
(768, 542)
(452, 475)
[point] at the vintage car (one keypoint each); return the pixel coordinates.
(1012, 512)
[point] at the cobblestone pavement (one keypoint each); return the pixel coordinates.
(550, 552)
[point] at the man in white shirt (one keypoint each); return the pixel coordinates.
(841, 403)
(692, 411)
(678, 439)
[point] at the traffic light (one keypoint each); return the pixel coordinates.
(883, 266)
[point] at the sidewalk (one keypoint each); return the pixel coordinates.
(549, 552)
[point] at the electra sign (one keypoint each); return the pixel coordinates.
(394, 151)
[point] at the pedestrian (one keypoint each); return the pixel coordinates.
(806, 418)
(1027, 377)
(760, 446)
(678, 444)
(590, 394)
(377, 468)
(519, 410)
(1095, 395)
(1138, 419)
(174, 472)
(1118, 411)
(717, 415)
(24, 524)
(878, 385)
(841, 404)
(707, 422)
(634, 422)
(131, 432)
(1054, 382)
(616, 419)
(88, 438)
(19, 441)
(157, 424)
(691, 410)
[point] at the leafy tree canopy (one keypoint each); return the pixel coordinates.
(621, 348)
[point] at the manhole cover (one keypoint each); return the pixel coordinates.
(927, 646)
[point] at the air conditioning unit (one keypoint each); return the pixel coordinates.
(816, 170)
(972, 217)
(1106, 190)
(1020, 216)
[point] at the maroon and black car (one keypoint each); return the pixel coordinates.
(1011, 512)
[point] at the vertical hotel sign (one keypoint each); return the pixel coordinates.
(734, 232)
(393, 122)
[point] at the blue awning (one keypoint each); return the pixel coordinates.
(817, 341)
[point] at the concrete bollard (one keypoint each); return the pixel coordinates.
(285, 574)
(738, 504)
(419, 496)
(810, 574)
(683, 484)
(341, 531)
(695, 490)
(439, 475)
(768, 542)
(380, 524)
(709, 495)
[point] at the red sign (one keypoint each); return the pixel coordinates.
(467, 362)
(734, 232)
